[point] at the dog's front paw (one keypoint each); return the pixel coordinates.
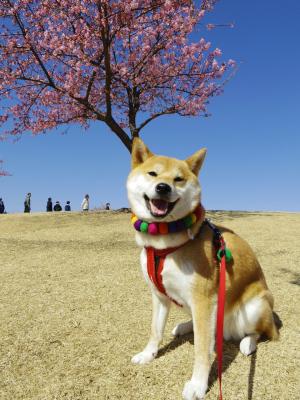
(182, 329)
(144, 357)
(193, 390)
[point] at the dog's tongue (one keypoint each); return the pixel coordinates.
(159, 207)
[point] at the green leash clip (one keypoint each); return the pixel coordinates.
(228, 255)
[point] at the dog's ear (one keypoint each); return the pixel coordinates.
(196, 160)
(140, 152)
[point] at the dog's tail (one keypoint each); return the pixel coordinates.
(270, 321)
(272, 331)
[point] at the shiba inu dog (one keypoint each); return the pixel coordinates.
(164, 194)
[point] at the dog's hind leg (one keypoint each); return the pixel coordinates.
(264, 326)
(183, 328)
(254, 319)
(160, 314)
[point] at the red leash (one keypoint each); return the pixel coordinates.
(155, 264)
(223, 255)
(220, 314)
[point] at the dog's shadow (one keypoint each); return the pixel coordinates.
(174, 343)
(230, 351)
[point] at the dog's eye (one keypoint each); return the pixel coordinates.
(178, 179)
(152, 173)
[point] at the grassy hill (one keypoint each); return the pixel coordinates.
(74, 308)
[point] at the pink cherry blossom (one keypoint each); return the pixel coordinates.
(121, 62)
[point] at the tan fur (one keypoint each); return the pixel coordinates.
(249, 303)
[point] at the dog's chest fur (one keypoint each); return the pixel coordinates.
(177, 279)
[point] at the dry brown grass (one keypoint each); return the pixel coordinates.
(74, 308)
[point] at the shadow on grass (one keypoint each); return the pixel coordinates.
(253, 356)
(294, 275)
(230, 352)
(296, 280)
(176, 342)
(251, 375)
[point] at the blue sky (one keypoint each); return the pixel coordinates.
(253, 135)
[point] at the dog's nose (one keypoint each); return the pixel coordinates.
(163, 188)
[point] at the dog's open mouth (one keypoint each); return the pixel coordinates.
(159, 208)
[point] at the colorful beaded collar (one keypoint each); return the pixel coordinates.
(163, 228)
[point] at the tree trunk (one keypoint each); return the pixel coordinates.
(122, 135)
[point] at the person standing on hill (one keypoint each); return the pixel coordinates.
(68, 206)
(85, 205)
(57, 207)
(107, 206)
(27, 207)
(2, 206)
(49, 205)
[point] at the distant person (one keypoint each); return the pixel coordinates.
(107, 206)
(27, 207)
(49, 205)
(68, 206)
(57, 206)
(2, 206)
(85, 205)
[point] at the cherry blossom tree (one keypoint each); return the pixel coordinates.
(121, 62)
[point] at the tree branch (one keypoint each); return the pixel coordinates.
(106, 48)
(34, 52)
(171, 110)
(122, 135)
(90, 85)
(133, 107)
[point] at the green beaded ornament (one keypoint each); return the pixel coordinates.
(188, 221)
(228, 254)
(144, 226)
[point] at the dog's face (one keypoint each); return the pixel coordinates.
(162, 188)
